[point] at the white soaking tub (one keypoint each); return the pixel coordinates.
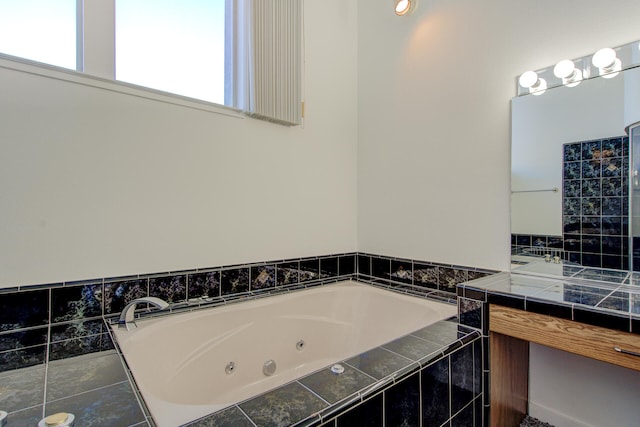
(181, 362)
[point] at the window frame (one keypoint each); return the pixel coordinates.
(95, 62)
(95, 65)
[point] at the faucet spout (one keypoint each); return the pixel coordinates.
(126, 316)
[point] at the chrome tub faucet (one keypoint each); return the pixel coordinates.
(127, 315)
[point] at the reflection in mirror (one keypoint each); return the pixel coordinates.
(570, 176)
(634, 142)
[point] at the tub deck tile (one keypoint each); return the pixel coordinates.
(412, 347)
(333, 387)
(379, 362)
(114, 405)
(443, 332)
(75, 375)
(230, 417)
(22, 388)
(283, 406)
(25, 417)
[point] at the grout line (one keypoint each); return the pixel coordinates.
(463, 408)
(450, 385)
(47, 354)
(384, 407)
(420, 409)
(245, 414)
(362, 372)
(604, 298)
(404, 357)
(313, 392)
(126, 381)
(28, 328)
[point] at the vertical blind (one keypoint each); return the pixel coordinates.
(266, 59)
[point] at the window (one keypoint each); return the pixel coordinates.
(174, 45)
(246, 54)
(40, 30)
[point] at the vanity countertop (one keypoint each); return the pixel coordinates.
(604, 298)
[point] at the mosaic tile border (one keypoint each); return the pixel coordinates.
(415, 274)
(33, 306)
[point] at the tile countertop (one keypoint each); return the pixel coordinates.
(597, 297)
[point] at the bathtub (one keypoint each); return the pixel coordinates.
(188, 365)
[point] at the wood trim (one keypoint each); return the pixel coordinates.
(574, 337)
(509, 380)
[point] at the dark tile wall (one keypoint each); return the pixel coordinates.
(416, 274)
(446, 391)
(595, 202)
(473, 311)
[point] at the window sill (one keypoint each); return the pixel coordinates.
(58, 73)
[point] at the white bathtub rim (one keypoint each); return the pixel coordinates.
(206, 303)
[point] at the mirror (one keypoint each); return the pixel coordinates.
(570, 176)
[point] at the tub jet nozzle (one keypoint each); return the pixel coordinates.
(269, 367)
(230, 368)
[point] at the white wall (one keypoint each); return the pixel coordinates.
(567, 390)
(434, 116)
(95, 183)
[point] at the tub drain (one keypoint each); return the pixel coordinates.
(300, 345)
(269, 368)
(337, 369)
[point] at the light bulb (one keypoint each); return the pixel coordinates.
(563, 69)
(607, 63)
(528, 79)
(566, 70)
(604, 57)
(402, 7)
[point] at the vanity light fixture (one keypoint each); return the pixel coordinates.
(403, 7)
(567, 71)
(607, 63)
(531, 81)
